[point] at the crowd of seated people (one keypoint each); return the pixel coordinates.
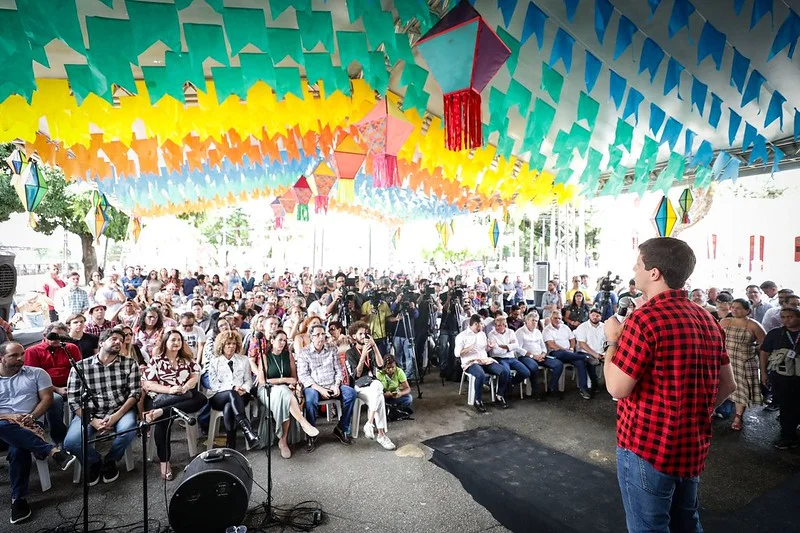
(151, 344)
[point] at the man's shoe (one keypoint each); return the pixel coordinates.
(479, 406)
(64, 459)
(772, 407)
(786, 444)
(110, 471)
(502, 401)
(95, 471)
(387, 444)
(539, 397)
(20, 510)
(369, 431)
(343, 437)
(311, 444)
(585, 394)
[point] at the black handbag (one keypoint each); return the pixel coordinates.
(364, 381)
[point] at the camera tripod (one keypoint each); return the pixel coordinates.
(408, 329)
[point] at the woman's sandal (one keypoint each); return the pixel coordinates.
(150, 416)
(166, 471)
(737, 422)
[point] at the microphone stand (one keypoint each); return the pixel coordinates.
(270, 517)
(86, 396)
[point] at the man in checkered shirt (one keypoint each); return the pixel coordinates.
(667, 365)
(114, 381)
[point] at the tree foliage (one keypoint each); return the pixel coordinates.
(62, 206)
(234, 225)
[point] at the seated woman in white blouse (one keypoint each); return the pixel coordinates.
(229, 384)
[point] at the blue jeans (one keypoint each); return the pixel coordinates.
(347, 397)
(404, 356)
(480, 371)
(21, 444)
(120, 443)
(512, 363)
(403, 401)
(654, 501)
(578, 360)
(556, 368)
(55, 419)
(533, 371)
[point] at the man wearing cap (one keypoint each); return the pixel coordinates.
(52, 355)
(97, 322)
(248, 281)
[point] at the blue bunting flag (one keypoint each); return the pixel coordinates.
(787, 35)
(776, 161)
(681, 11)
(699, 94)
(562, 49)
(632, 104)
(673, 79)
(653, 6)
(760, 8)
(716, 111)
(592, 71)
(602, 15)
(796, 124)
(651, 58)
(741, 65)
(507, 8)
(534, 24)
(712, 43)
(749, 136)
(737, 6)
(571, 6)
(657, 117)
(703, 155)
(625, 32)
(688, 142)
(775, 109)
(671, 132)
(759, 150)
(616, 87)
(733, 126)
(753, 89)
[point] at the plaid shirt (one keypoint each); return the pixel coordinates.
(674, 349)
(71, 301)
(112, 384)
(93, 329)
(319, 368)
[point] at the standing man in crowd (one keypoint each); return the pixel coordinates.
(758, 305)
(71, 299)
(448, 330)
(52, 284)
(132, 281)
(666, 362)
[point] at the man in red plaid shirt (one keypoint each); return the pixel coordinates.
(667, 365)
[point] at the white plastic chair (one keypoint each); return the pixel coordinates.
(356, 420)
(491, 381)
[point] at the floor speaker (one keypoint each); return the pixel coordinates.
(8, 283)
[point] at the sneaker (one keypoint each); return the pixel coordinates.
(64, 459)
(110, 471)
(785, 444)
(585, 394)
(95, 471)
(369, 431)
(343, 437)
(387, 444)
(20, 510)
(311, 444)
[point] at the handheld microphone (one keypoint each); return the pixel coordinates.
(183, 416)
(622, 310)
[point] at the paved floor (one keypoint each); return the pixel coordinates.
(365, 488)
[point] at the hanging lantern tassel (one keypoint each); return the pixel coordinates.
(32, 220)
(278, 222)
(302, 212)
(384, 170)
(320, 204)
(462, 120)
(346, 192)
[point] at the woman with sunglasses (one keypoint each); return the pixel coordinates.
(148, 330)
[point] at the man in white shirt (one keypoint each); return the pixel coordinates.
(506, 349)
(591, 340)
(534, 355)
(560, 341)
(195, 338)
(471, 347)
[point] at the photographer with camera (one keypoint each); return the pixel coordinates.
(345, 305)
(606, 299)
(449, 328)
(428, 307)
(405, 313)
(376, 312)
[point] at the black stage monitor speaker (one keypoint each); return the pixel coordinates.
(8, 283)
(214, 493)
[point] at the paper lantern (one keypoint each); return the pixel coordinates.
(444, 233)
(348, 157)
(279, 211)
(16, 160)
(30, 185)
(384, 130)
(665, 217)
(685, 203)
(289, 201)
(97, 221)
(323, 178)
(463, 53)
(494, 233)
(302, 192)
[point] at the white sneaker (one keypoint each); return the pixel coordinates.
(384, 441)
(369, 430)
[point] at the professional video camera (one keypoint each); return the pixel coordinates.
(607, 284)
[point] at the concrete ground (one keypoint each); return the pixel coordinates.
(365, 488)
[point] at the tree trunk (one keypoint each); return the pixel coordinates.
(89, 256)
